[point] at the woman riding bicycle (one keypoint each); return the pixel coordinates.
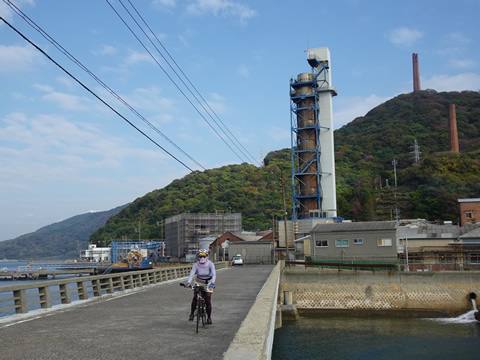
(206, 275)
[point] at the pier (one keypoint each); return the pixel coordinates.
(149, 321)
(42, 274)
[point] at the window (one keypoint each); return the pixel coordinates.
(384, 242)
(358, 241)
(468, 215)
(445, 258)
(341, 243)
(321, 243)
(474, 258)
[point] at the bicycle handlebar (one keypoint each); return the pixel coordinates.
(196, 286)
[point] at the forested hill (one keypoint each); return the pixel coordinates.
(59, 241)
(255, 192)
(366, 147)
(364, 151)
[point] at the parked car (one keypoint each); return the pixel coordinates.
(237, 260)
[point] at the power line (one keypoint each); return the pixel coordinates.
(91, 92)
(170, 78)
(106, 87)
(186, 77)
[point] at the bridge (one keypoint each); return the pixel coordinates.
(148, 321)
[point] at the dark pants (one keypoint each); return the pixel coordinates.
(208, 302)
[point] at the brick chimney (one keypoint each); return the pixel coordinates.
(416, 73)
(452, 129)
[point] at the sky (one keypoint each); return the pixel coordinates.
(117, 112)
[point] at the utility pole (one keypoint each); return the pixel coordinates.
(273, 240)
(394, 162)
(138, 230)
(285, 215)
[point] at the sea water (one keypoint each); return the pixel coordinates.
(374, 338)
(14, 266)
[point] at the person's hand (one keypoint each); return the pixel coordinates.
(187, 285)
(211, 286)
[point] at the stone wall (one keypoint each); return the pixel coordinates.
(326, 290)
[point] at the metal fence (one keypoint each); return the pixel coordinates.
(416, 261)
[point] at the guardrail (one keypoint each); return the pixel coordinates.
(22, 297)
(344, 265)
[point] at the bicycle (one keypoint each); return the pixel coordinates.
(201, 310)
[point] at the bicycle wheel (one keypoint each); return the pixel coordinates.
(204, 313)
(199, 312)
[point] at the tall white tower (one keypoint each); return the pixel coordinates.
(313, 162)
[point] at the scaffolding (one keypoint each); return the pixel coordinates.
(183, 231)
(305, 141)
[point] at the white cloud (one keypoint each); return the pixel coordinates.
(243, 70)
(225, 8)
(217, 103)
(165, 4)
(49, 149)
(457, 39)
(68, 101)
(280, 134)
(106, 50)
(149, 99)
(462, 63)
(18, 58)
(459, 82)
(138, 57)
(404, 37)
(347, 109)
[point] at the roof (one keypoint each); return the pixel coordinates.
(355, 226)
(474, 234)
(468, 200)
(247, 236)
(300, 240)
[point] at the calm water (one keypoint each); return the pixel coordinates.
(13, 265)
(378, 338)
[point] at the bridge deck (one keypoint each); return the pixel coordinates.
(148, 323)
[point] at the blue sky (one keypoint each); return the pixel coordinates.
(64, 153)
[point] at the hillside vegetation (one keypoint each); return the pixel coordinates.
(364, 151)
(366, 147)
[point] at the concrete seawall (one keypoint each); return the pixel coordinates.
(441, 293)
(254, 339)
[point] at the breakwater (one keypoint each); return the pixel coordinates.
(313, 290)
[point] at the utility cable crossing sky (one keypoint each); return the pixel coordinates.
(91, 92)
(231, 137)
(233, 140)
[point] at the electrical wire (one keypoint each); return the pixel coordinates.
(188, 80)
(91, 92)
(30, 22)
(166, 73)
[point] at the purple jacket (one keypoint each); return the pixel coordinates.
(206, 273)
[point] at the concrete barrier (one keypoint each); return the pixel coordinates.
(53, 292)
(441, 293)
(254, 339)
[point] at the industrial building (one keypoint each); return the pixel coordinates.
(183, 232)
(313, 161)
